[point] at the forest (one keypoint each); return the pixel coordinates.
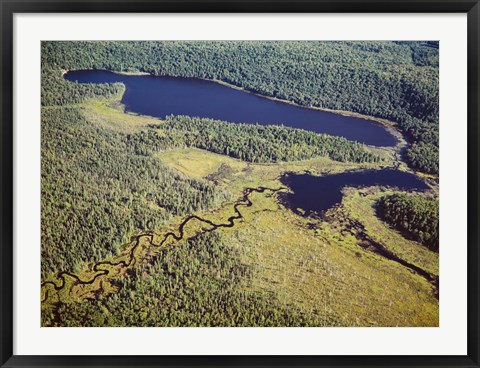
(105, 178)
(415, 215)
(197, 283)
(397, 81)
(97, 189)
(99, 185)
(254, 143)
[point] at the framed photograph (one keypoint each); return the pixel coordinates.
(269, 183)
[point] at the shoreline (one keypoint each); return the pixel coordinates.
(65, 71)
(381, 121)
(389, 126)
(130, 73)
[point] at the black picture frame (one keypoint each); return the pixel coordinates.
(9, 8)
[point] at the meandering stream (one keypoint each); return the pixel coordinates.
(311, 194)
(308, 194)
(244, 201)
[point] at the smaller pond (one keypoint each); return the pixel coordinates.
(319, 193)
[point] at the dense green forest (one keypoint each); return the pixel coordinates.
(55, 91)
(105, 177)
(425, 156)
(415, 215)
(392, 80)
(100, 185)
(254, 143)
(199, 282)
(98, 188)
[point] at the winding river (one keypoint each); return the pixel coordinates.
(161, 96)
(244, 201)
(307, 194)
(312, 194)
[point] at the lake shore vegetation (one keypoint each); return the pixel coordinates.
(150, 222)
(396, 81)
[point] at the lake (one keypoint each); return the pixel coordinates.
(319, 193)
(162, 96)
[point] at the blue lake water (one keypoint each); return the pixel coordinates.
(315, 194)
(162, 96)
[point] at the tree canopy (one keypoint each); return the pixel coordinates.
(397, 81)
(413, 214)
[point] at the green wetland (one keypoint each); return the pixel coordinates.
(310, 201)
